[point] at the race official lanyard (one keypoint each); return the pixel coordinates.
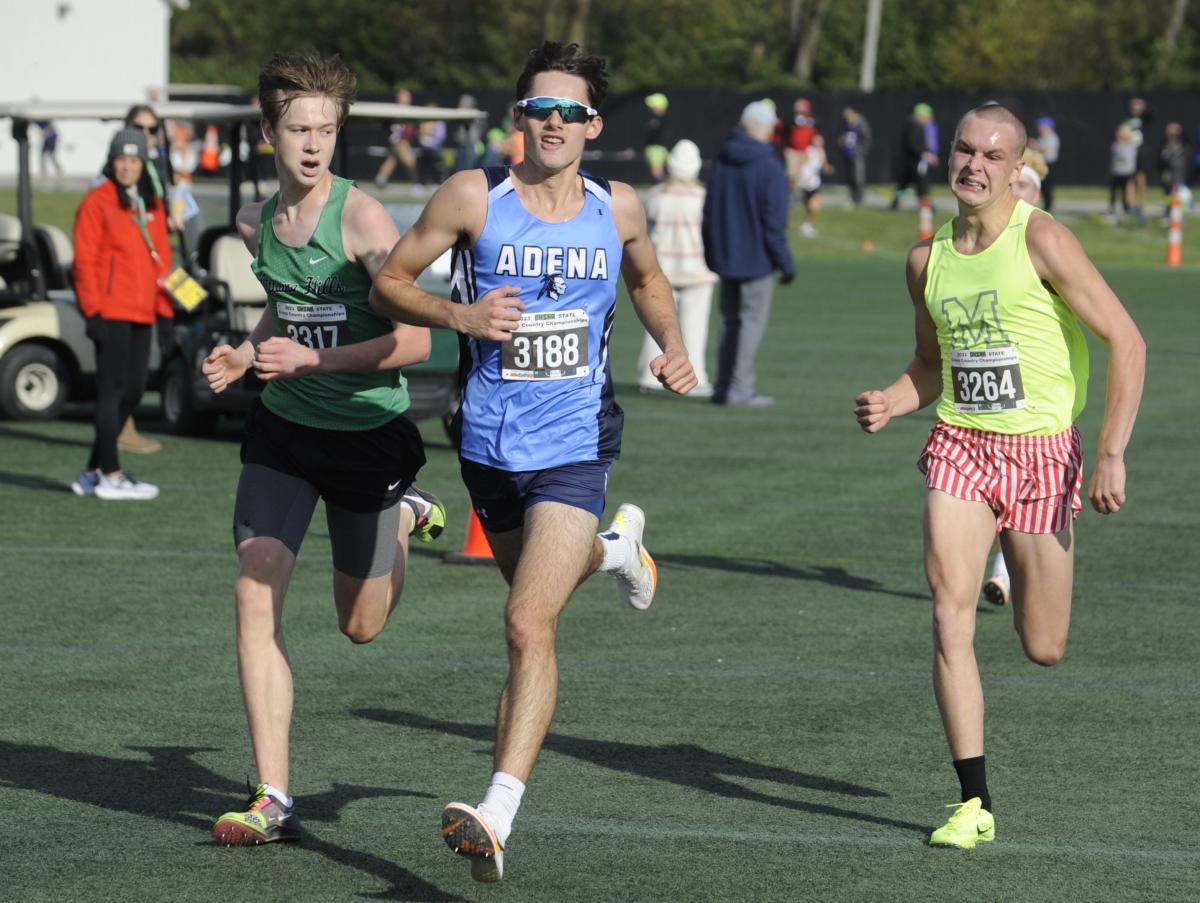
(140, 218)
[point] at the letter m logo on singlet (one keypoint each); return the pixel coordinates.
(971, 327)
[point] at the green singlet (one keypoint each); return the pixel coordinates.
(1014, 359)
(320, 300)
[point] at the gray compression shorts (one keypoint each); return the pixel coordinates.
(280, 506)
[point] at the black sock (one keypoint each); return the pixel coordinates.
(972, 778)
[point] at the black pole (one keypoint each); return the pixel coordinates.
(20, 131)
(341, 154)
(235, 171)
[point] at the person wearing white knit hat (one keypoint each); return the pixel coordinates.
(675, 209)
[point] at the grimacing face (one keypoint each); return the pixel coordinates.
(983, 160)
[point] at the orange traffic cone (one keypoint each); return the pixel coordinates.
(1175, 231)
(210, 154)
(476, 549)
(925, 219)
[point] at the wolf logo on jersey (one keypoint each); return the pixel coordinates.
(553, 286)
(544, 398)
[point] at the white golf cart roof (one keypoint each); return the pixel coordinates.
(234, 116)
(42, 111)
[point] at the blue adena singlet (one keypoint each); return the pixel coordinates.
(545, 397)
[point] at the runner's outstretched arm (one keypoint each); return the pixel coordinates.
(1060, 260)
(921, 382)
(455, 213)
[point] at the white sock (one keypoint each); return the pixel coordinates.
(279, 796)
(617, 551)
(500, 804)
(999, 568)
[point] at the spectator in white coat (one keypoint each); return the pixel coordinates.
(675, 209)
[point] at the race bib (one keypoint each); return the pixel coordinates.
(314, 325)
(548, 345)
(987, 380)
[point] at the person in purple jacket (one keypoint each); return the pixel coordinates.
(745, 241)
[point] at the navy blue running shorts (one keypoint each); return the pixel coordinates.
(501, 497)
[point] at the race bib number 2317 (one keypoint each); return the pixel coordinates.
(314, 325)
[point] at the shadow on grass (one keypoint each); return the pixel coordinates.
(759, 567)
(33, 481)
(31, 435)
(684, 764)
(172, 787)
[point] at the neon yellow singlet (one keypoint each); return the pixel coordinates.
(1014, 359)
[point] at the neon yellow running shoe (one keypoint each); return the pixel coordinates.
(970, 824)
(263, 821)
(429, 514)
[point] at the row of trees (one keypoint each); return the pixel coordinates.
(425, 44)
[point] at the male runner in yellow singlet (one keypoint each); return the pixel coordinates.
(999, 293)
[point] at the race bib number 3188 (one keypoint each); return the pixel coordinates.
(547, 345)
(987, 380)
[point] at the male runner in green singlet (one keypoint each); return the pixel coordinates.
(329, 424)
(999, 293)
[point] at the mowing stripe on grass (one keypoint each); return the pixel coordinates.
(551, 825)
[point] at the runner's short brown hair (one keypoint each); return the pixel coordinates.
(287, 76)
(568, 58)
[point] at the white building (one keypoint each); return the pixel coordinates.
(114, 50)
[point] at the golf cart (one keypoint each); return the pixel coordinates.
(45, 358)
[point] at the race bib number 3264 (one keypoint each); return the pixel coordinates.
(987, 380)
(547, 345)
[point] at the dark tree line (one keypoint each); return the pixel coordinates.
(452, 44)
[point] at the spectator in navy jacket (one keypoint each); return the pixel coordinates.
(745, 241)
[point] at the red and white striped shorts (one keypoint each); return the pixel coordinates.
(1030, 482)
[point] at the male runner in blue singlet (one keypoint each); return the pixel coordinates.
(538, 247)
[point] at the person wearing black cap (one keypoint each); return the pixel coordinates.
(121, 254)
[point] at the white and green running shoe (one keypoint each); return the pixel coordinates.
(997, 589)
(429, 514)
(264, 820)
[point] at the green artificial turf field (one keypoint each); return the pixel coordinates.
(767, 731)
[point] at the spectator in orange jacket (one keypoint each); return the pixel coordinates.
(121, 254)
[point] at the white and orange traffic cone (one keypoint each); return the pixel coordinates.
(476, 548)
(925, 219)
(1175, 231)
(210, 153)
